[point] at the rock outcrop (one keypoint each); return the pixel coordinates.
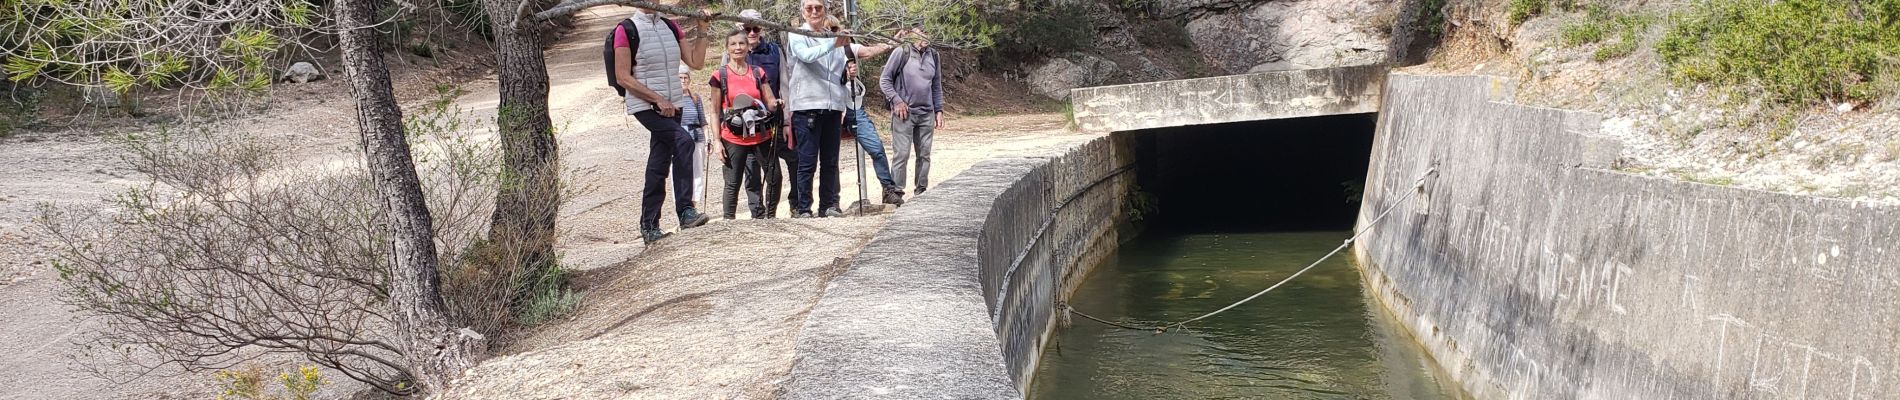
(1279, 35)
(303, 72)
(1054, 77)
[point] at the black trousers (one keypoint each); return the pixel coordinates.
(738, 164)
(774, 151)
(815, 134)
(669, 146)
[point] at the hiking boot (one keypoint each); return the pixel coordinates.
(833, 212)
(920, 190)
(691, 218)
(802, 214)
(758, 213)
(893, 197)
(651, 235)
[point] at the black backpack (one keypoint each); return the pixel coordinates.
(902, 56)
(633, 42)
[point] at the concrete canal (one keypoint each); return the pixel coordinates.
(1318, 337)
(1238, 207)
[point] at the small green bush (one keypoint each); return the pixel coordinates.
(1524, 10)
(1598, 24)
(1431, 19)
(468, 14)
(1583, 32)
(249, 384)
(1034, 34)
(1796, 50)
(1616, 50)
(19, 109)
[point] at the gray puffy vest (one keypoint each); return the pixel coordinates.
(656, 63)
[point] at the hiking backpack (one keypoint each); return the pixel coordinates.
(758, 79)
(902, 56)
(628, 28)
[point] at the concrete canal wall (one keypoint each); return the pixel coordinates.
(956, 296)
(1223, 99)
(1532, 271)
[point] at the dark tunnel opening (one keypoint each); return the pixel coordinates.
(1300, 174)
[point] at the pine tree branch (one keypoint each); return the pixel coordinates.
(570, 7)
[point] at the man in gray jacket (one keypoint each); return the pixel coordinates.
(914, 84)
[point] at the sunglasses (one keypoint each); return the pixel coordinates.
(751, 29)
(815, 7)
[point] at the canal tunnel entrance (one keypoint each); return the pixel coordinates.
(1237, 207)
(1299, 174)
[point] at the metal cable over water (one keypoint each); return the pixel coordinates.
(1417, 187)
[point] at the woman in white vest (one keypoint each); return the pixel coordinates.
(816, 95)
(654, 90)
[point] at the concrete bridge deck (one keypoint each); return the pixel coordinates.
(1234, 98)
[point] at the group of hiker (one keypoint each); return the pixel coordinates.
(771, 103)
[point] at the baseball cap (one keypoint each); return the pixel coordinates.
(750, 13)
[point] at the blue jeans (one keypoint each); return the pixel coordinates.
(868, 140)
(815, 136)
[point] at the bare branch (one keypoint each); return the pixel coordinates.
(570, 7)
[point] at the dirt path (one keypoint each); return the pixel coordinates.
(709, 313)
(712, 312)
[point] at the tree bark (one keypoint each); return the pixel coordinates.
(529, 199)
(436, 352)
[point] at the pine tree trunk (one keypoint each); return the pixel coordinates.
(525, 208)
(436, 352)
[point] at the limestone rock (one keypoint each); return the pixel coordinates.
(1112, 30)
(1294, 34)
(1272, 66)
(1056, 76)
(1195, 8)
(303, 72)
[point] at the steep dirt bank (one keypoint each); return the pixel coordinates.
(1685, 131)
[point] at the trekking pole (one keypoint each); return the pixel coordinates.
(851, 20)
(861, 198)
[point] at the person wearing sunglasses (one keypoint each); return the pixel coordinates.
(766, 54)
(816, 95)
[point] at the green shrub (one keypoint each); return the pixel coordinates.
(19, 109)
(1615, 50)
(1431, 18)
(1583, 32)
(1599, 23)
(421, 49)
(1796, 50)
(249, 384)
(1058, 28)
(468, 14)
(1524, 10)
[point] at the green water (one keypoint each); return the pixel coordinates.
(1317, 337)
